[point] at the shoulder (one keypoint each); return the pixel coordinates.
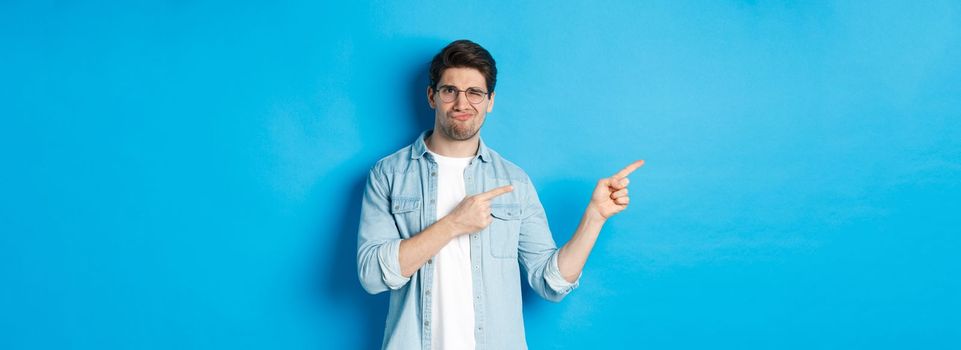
(392, 162)
(507, 170)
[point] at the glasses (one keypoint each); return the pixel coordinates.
(449, 94)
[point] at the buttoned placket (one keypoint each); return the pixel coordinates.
(428, 275)
(476, 256)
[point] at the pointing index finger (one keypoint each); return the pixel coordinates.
(496, 192)
(629, 169)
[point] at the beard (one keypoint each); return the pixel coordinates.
(459, 131)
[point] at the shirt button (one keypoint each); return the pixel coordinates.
(430, 261)
(476, 267)
(433, 174)
(426, 323)
(428, 292)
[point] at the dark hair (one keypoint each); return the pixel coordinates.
(464, 54)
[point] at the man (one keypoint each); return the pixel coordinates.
(447, 222)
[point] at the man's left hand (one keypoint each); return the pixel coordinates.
(610, 195)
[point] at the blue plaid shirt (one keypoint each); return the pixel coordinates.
(400, 202)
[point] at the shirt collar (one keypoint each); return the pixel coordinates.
(419, 148)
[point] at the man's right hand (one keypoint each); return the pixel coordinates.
(474, 212)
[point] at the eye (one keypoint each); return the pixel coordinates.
(447, 90)
(476, 93)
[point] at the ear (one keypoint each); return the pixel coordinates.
(430, 97)
(490, 106)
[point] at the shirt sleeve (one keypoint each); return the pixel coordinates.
(555, 280)
(538, 252)
(378, 241)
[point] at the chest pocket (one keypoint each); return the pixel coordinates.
(406, 215)
(504, 231)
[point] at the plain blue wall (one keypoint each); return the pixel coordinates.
(187, 175)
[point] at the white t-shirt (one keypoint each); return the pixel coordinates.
(452, 307)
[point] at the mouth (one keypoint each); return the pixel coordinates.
(462, 117)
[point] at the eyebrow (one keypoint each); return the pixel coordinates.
(469, 87)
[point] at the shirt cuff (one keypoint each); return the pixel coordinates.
(555, 280)
(389, 256)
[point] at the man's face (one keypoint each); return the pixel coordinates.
(460, 119)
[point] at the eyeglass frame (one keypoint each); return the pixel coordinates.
(487, 94)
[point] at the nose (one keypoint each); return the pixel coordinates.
(460, 101)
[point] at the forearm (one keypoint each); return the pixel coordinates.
(415, 251)
(573, 255)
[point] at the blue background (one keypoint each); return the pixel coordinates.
(188, 175)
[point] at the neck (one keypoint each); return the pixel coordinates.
(441, 145)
